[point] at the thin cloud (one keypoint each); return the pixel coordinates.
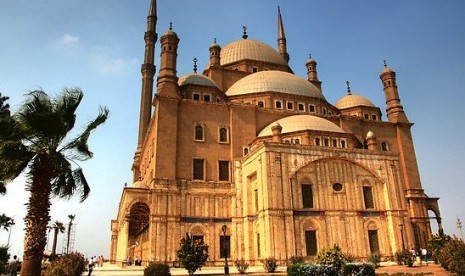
(108, 64)
(68, 40)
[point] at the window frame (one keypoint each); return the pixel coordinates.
(196, 94)
(219, 135)
(280, 103)
(207, 95)
(220, 172)
(307, 202)
(194, 171)
(202, 139)
(299, 105)
(368, 198)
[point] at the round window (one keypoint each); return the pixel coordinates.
(337, 187)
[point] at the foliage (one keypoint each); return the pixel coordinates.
(349, 257)
(296, 259)
(452, 256)
(192, 254)
(157, 269)
(72, 264)
(35, 140)
(405, 257)
(375, 260)
(303, 269)
(4, 257)
(331, 256)
(241, 265)
(6, 222)
(358, 269)
(436, 243)
(270, 264)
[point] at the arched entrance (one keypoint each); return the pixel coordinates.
(138, 235)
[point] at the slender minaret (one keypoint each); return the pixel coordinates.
(312, 74)
(282, 48)
(148, 72)
(394, 110)
(215, 52)
(167, 80)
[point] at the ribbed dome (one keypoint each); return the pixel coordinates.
(274, 81)
(250, 49)
(198, 79)
(301, 122)
(353, 100)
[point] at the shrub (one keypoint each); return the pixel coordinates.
(331, 256)
(270, 264)
(241, 266)
(452, 256)
(193, 254)
(296, 260)
(4, 257)
(72, 264)
(349, 257)
(436, 243)
(302, 269)
(374, 259)
(157, 269)
(355, 269)
(405, 257)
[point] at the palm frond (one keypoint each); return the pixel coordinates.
(80, 144)
(82, 185)
(14, 159)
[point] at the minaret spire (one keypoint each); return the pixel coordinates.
(148, 72)
(282, 47)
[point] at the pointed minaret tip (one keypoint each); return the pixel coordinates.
(153, 8)
(348, 88)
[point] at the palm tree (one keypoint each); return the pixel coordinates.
(57, 227)
(70, 224)
(35, 141)
(4, 114)
(6, 222)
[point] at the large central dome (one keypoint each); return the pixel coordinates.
(252, 50)
(274, 81)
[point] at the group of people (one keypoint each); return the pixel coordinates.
(95, 261)
(137, 262)
(422, 253)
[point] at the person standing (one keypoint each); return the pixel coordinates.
(14, 266)
(424, 256)
(91, 266)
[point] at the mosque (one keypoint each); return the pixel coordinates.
(253, 160)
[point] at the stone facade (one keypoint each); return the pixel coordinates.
(249, 145)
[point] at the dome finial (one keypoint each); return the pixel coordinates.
(309, 56)
(385, 64)
(195, 64)
(244, 36)
(214, 40)
(171, 26)
(279, 10)
(348, 88)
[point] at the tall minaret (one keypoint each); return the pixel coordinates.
(312, 73)
(282, 48)
(394, 110)
(148, 72)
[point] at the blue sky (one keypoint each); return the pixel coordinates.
(98, 46)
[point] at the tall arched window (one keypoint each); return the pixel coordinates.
(223, 135)
(199, 133)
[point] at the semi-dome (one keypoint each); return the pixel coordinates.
(252, 50)
(274, 81)
(197, 79)
(352, 100)
(301, 122)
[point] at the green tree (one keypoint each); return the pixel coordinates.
(58, 227)
(6, 222)
(35, 140)
(193, 254)
(331, 256)
(4, 257)
(70, 225)
(4, 114)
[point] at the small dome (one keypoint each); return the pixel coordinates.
(387, 69)
(197, 79)
(310, 60)
(353, 100)
(370, 135)
(252, 50)
(301, 122)
(274, 81)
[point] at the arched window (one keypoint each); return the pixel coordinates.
(199, 133)
(317, 141)
(384, 146)
(223, 135)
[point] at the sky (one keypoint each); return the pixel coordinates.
(98, 46)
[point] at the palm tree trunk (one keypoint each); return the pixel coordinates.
(36, 220)
(54, 246)
(69, 234)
